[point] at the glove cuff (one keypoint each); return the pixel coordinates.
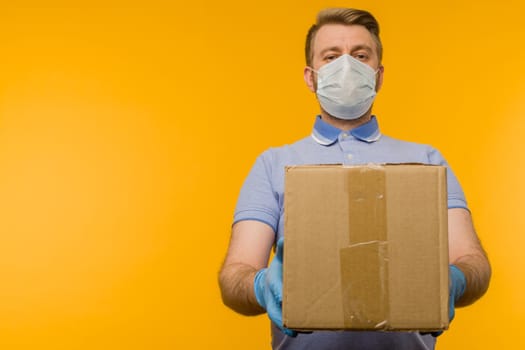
(258, 287)
(458, 282)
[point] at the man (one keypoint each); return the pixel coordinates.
(343, 56)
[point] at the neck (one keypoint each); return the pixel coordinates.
(346, 125)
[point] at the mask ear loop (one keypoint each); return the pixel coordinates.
(379, 78)
(314, 79)
(313, 70)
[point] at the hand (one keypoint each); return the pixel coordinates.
(458, 283)
(457, 286)
(268, 286)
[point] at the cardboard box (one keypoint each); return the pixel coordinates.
(366, 248)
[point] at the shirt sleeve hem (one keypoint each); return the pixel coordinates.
(259, 216)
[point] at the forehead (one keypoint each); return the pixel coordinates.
(344, 37)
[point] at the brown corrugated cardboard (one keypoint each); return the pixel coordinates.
(366, 247)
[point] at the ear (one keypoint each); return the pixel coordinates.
(379, 79)
(309, 78)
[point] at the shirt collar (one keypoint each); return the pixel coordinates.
(326, 134)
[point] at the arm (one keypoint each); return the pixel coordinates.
(249, 250)
(466, 253)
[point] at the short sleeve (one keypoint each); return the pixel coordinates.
(258, 199)
(456, 197)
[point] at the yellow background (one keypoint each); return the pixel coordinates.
(127, 128)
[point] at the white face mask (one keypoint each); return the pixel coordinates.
(346, 87)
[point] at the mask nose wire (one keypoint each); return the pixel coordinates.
(317, 72)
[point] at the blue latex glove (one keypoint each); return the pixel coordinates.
(457, 286)
(458, 283)
(268, 286)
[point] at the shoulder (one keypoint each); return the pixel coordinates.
(287, 153)
(403, 143)
(413, 151)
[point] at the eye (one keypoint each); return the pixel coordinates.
(361, 56)
(330, 57)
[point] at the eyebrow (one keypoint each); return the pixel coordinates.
(354, 48)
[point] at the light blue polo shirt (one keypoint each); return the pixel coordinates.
(261, 199)
(261, 196)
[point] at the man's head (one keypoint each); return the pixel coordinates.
(343, 16)
(337, 34)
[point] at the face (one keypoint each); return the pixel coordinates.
(334, 40)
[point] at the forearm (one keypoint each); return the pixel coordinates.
(236, 284)
(467, 254)
(477, 271)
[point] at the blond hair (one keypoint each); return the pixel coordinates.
(346, 16)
